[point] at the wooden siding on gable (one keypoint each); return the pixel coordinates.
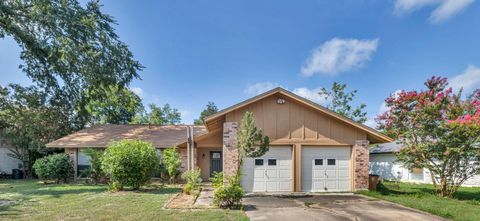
(293, 122)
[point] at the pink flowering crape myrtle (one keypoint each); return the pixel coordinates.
(440, 131)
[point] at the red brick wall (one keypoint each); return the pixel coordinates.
(230, 152)
(361, 164)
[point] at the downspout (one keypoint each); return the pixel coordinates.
(193, 148)
(188, 148)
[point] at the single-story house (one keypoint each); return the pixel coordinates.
(383, 162)
(7, 163)
(312, 148)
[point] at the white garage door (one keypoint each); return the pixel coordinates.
(268, 173)
(325, 169)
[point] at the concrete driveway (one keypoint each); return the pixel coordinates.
(328, 207)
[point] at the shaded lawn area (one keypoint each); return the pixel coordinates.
(32, 200)
(464, 206)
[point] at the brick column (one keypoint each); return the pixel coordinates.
(361, 164)
(72, 152)
(230, 151)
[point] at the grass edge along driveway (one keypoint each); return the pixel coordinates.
(464, 206)
(32, 200)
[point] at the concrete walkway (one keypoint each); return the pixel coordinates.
(205, 199)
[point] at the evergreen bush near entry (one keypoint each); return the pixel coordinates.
(57, 166)
(129, 163)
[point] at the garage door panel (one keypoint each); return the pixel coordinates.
(343, 174)
(317, 186)
(331, 184)
(272, 173)
(275, 173)
(284, 186)
(259, 173)
(259, 186)
(318, 174)
(271, 185)
(343, 184)
(332, 172)
(284, 173)
(343, 163)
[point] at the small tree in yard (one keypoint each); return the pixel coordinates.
(250, 140)
(250, 143)
(129, 163)
(57, 167)
(439, 131)
(171, 159)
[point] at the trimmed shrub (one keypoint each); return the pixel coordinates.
(54, 167)
(129, 163)
(171, 160)
(187, 188)
(229, 195)
(193, 179)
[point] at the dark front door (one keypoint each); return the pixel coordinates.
(215, 162)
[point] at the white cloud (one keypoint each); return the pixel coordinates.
(260, 87)
(469, 80)
(339, 55)
(407, 6)
(138, 91)
(310, 94)
(444, 9)
(449, 9)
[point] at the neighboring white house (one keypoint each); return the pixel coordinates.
(383, 163)
(7, 163)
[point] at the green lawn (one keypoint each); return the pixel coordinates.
(464, 206)
(33, 200)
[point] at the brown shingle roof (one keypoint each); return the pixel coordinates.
(101, 135)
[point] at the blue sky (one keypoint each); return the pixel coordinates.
(227, 51)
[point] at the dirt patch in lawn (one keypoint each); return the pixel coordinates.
(181, 201)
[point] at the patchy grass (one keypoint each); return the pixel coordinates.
(32, 200)
(464, 206)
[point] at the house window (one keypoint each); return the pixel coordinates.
(216, 156)
(331, 162)
(272, 162)
(318, 162)
(258, 162)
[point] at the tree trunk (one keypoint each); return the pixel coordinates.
(434, 181)
(444, 190)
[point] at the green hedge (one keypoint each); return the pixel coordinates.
(56, 167)
(129, 163)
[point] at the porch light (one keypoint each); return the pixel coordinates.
(280, 101)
